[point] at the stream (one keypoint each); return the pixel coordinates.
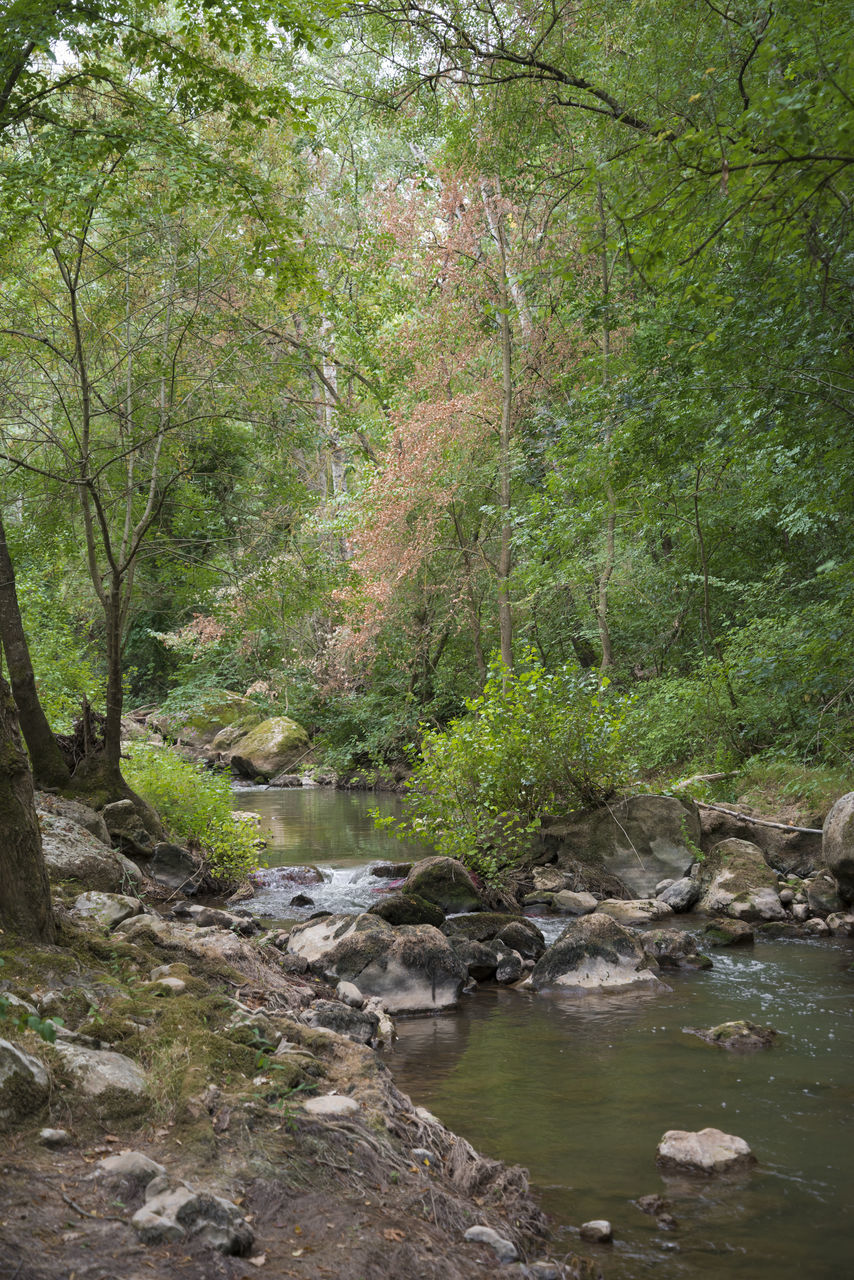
(580, 1090)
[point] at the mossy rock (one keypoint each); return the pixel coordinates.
(594, 953)
(407, 908)
(513, 930)
(445, 882)
(268, 748)
(219, 710)
(740, 1036)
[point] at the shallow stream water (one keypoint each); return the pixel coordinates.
(580, 1090)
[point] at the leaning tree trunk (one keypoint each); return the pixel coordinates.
(49, 766)
(25, 907)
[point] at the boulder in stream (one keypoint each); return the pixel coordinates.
(736, 881)
(517, 932)
(740, 1036)
(444, 881)
(411, 968)
(707, 1151)
(641, 840)
(635, 911)
(837, 844)
(407, 908)
(594, 953)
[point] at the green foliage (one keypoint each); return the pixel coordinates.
(535, 742)
(195, 806)
(65, 671)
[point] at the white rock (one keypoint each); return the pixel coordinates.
(574, 904)
(635, 911)
(107, 909)
(103, 1075)
(350, 994)
(598, 1229)
(134, 1165)
(505, 1250)
(707, 1151)
(330, 1105)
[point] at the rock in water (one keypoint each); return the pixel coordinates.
(413, 968)
(594, 953)
(444, 881)
(736, 881)
(740, 1036)
(837, 844)
(708, 1151)
(636, 910)
(407, 908)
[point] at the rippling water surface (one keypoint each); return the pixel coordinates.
(581, 1090)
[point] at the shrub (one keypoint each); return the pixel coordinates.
(535, 742)
(195, 806)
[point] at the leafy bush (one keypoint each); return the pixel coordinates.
(534, 743)
(195, 806)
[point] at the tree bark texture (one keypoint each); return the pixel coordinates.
(25, 906)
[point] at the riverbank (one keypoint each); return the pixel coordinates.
(186, 1044)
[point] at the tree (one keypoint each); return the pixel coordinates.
(25, 907)
(119, 330)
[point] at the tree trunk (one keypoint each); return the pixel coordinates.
(25, 906)
(607, 570)
(505, 555)
(48, 763)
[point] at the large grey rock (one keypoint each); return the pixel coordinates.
(594, 953)
(221, 709)
(24, 1083)
(792, 852)
(707, 1151)
(111, 1080)
(127, 830)
(642, 840)
(444, 881)
(174, 867)
(80, 814)
(823, 896)
(180, 1212)
(312, 939)
(107, 909)
(268, 749)
(736, 881)
(635, 911)
(837, 845)
(681, 895)
(72, 853)
(412, 968)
